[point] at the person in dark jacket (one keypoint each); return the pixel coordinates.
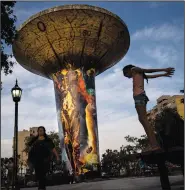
(40, 153)
(10, 168)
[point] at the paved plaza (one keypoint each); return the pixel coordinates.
(148, 183)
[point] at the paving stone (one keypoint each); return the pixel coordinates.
(142, 183)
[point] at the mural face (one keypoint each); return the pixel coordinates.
(77, 118)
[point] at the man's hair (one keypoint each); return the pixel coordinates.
(42, 127)
(128, 67)
(36, 137)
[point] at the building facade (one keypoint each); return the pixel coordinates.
(33, 131)
(175, 102)
(21, 144)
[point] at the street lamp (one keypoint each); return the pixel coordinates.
(16, 95)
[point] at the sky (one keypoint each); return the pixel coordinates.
(157, 41)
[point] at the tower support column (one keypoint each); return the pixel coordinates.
(77, 118)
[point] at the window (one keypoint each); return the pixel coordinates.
(162, 100)
(155, 110)
(165, 104)
(182, 100)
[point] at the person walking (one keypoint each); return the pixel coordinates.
(10, 167)
(41, 150)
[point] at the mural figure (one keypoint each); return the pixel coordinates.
(76, 103)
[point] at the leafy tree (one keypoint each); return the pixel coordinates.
(27, 140)
(127, 158)
(56, 140)
(142, 142)
(110, 162)
(169, 127)
(8, 33)
(4, 162)
(138, 144)
(113, 161)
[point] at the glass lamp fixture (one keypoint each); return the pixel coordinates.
(16, 92)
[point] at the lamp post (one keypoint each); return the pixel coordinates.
(16, 95)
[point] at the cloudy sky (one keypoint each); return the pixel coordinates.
(157, 40)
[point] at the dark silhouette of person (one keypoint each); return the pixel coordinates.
(40, 154)
(10, 168)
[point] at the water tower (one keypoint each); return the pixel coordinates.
(71, 45)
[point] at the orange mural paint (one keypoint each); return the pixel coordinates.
(75, 99)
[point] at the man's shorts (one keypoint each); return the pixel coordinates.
(141, 99)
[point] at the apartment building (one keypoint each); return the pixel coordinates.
(21, 142)
(33, 131)
(176, 102)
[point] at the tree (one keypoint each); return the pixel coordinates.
(56, 140)
(4, 162)
(4, 168)
(169, 127)
(113, 161)
(138, 144)
(110, 162)
(127, 152)
(8, 33)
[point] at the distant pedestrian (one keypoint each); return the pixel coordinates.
(40, 154)
(138, 75)
(10, 167)
(142, 166)
(71, 176)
